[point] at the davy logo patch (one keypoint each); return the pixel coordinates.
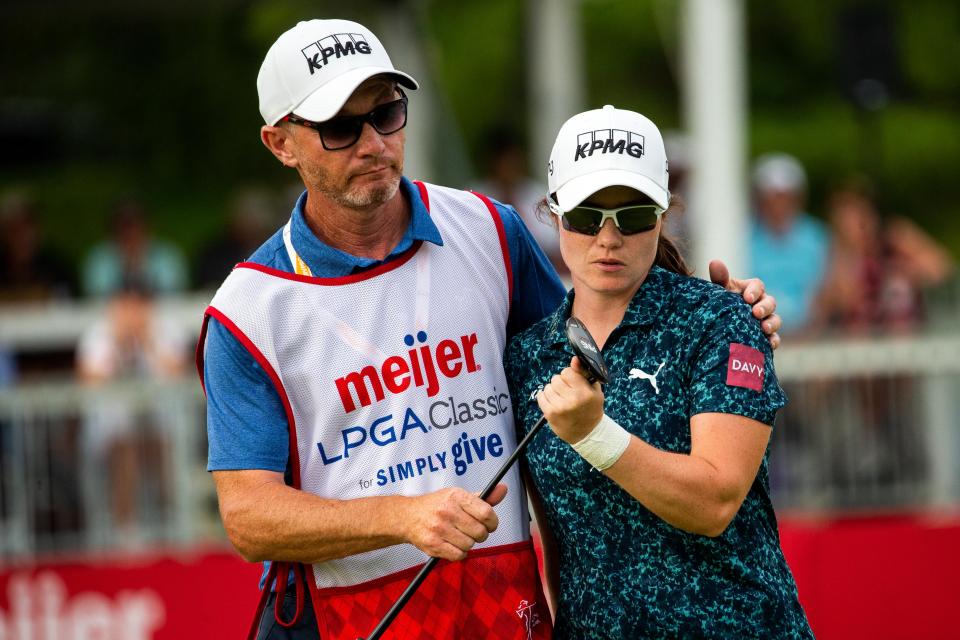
(745, 367)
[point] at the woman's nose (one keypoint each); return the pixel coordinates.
(609, 235)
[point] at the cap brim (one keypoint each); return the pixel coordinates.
(579, 189)
(325, 102)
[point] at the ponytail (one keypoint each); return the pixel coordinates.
(668, 255)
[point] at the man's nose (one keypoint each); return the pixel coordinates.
(370, 142)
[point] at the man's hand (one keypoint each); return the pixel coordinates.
(447, 523)
(753, 292)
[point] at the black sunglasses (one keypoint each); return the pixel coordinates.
(344, 131)
(634, 218)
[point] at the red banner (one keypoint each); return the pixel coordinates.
(173, 597)
(881, 577)
(877, 577)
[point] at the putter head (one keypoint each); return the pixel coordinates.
(587, 351)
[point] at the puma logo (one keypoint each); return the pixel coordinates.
(651, 377)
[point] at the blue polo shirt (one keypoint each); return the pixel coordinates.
(684, 347)
(791, 265)
(246, 423)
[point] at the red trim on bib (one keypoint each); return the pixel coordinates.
(423, 194)
(280, 570)
(502, 235)
(401, 260)
(199, 352)
(412, 571)
(274, 378)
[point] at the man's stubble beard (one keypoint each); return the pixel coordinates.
(359, 197)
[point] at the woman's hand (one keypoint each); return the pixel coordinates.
(572, 405)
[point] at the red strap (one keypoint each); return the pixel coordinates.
(283, 575)
(279, 572)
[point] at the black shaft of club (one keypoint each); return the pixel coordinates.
(432, 562)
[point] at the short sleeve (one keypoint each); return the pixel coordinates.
(732, 370)
(537, 289)
(246, 422)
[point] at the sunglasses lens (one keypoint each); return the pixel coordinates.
(582, 220)
(637, 219)
(389, 118)
(629, 220)
(344, 132)
(341, 132)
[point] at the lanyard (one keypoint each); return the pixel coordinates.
(299, 266)
(348, 334)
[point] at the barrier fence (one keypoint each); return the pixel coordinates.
(870, 425)
(65, 486)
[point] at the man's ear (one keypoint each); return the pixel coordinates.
(280, 143)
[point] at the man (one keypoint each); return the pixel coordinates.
(788, 247)
(356, 395)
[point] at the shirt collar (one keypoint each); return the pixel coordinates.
(643, 309)
(326, 261)
(648, 300)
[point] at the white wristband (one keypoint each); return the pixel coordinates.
(604, 445)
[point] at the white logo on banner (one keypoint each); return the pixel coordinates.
(41, 610)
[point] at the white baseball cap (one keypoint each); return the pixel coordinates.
(779, 172)
(314, 68)
(606, 147)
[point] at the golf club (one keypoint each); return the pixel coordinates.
(585, 348)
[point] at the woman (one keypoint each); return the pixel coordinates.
(671, 533)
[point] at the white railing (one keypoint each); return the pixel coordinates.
(59, 324)
(56, 485)
(870, 424)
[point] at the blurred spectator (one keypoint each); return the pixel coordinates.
(249, 221)
(876, 273)
(850, 297)
(131, 253)
(914, 262)
(506, 179)
(877, 270)
(131, 342)
(788, 247)
(29, 270)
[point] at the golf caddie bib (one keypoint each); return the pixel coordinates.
(393, 383)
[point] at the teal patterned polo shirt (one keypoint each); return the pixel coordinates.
(685, 346)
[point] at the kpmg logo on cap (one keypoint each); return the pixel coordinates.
(333, 46)
(608, 141)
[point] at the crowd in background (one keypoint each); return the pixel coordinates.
(853, 270)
